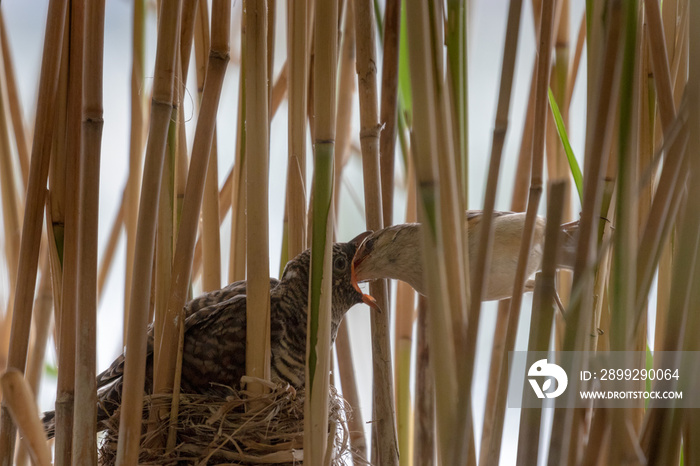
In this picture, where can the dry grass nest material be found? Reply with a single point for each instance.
(222, 429)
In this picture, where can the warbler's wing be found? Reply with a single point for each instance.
(472, 214)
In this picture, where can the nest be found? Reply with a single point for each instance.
(222, 429)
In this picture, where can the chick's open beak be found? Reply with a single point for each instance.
(361, 254)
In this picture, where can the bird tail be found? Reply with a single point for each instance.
(569, 240)
(49, 421)
(108, 402)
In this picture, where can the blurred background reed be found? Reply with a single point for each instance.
(563, 108)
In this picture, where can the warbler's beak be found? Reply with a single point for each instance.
(367, 299)
(362, 253)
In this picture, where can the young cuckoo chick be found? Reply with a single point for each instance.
(215, 332)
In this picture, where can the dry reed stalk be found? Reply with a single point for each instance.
(43, 305)
(189, 21)
(645, 137)
(680, 59)
(111, 247)
(346, 371)
(425, 145)
(11, 196)
(19, 400)
(278, 90)
(15, 107)
(663, 294)
(485, 240)
(56, 272)
(558, 83)
(211, 240)
(455, 38)
(625, 239)
(661, 433)
(659, 59)
(225, 193)
(622, 281)
(598, 136)
(177, 146)
(136, 143)
(573, 71)
(662, 208)
(385, 444)
(455, 253)
(343, 128)
(165, 245)
(451, 205)
(70, 208)
(167, 363)
(598, 440)
(237, 250)
(671, 15)
(600, 318)
(595, 44)
(271, 16)
(346, 97)
(85, 414)
(237, 258)
(522, 171)
(37, 348)
(257, 228)
(494, 414)
(57, 167)
(642, 136)
(161, 109)
(690, 342)
(325, 31)
(298, 59)
(405, 318)
(389, 105)
(540, 105)
(661, 216)
(542, 315)
(542, 83)
(424, 419)
(224, 204)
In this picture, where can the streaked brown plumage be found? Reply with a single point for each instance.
(215, 332)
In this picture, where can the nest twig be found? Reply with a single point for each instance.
(223, 429)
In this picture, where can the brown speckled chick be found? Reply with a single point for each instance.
(215, 332)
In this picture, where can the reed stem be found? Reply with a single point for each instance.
(136, 143)
(319, 312)
(85, 413)
(161, 110)
(385, 448)
(257, 228)
(298, 63)
(33, 213)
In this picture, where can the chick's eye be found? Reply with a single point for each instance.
(339, 263)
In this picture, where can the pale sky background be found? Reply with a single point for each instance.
(25, 20)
